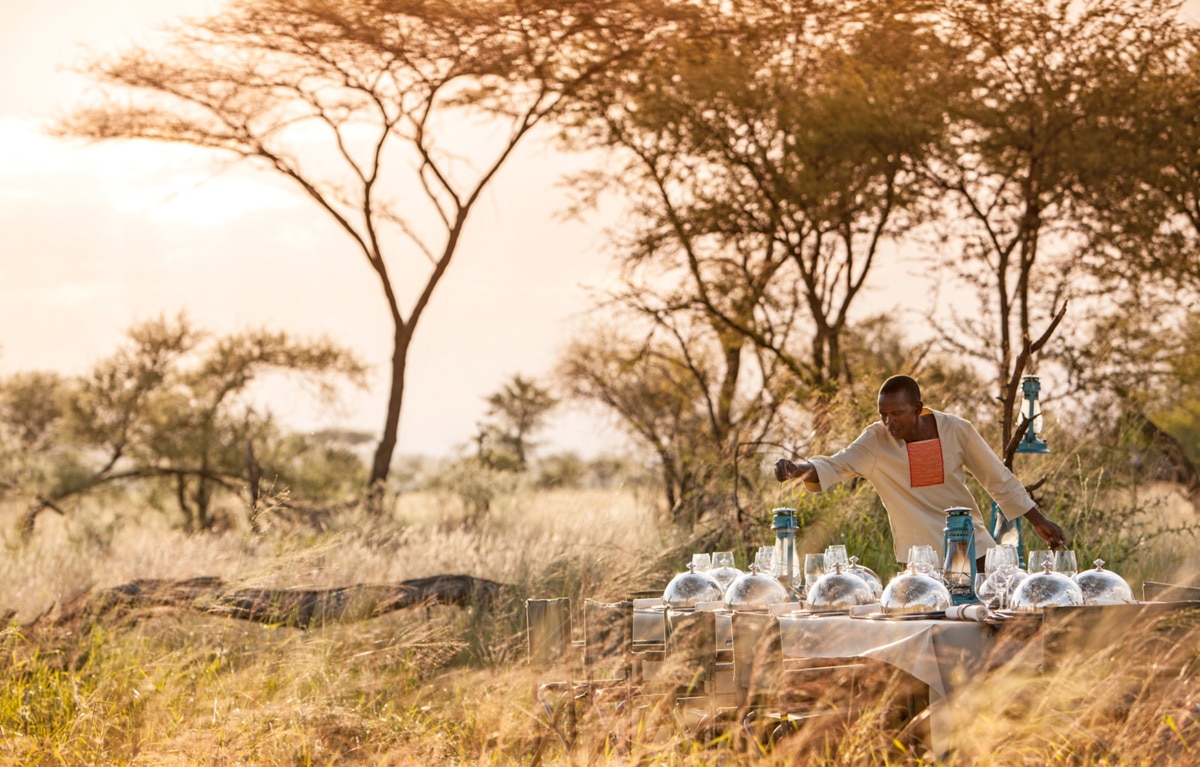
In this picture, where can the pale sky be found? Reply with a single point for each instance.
(96, 237)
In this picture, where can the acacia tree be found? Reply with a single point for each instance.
(686, 398)
(515, 413)
(353, 103)
(1141, 190)
(168, 408)
(767, 151)
(1039, 77)
(768, 148)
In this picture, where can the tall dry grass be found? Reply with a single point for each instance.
(452, 686)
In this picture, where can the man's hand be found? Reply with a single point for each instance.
(1051, 533)
(784, 469)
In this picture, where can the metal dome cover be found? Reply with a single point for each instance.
(1100, 586)
(1046, 589)
(914, 592)
(838, 591)
(688, 589)
(755, 591)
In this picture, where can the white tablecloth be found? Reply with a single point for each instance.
(941, 653)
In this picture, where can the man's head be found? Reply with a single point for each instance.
(900, 407)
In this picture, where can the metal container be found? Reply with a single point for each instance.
(914, 592)
(686, 590)
(838, 591)
(868, 575)
(755, 591)
(725, 575)
(1046, 589)
(1102, 586)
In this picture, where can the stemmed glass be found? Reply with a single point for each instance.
(983, 588)
(1064, 562)
(993, 588)
(836, 555)
(1000, 570)
(764, 558)
(1038, 558)
(722, 559)
(702, 563)
(1003, 558)
(924, 559)
(814, 567)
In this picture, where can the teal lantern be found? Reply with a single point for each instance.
(786, 562)
(1031, 443)
(959, 544)
(1005, 532)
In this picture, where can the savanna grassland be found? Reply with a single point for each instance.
(447, 685)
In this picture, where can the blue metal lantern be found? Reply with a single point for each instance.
(1006, 532)
(959, 545)
(1031, 443)
(785, 564)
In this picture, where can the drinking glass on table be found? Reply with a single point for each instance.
(836, 555)
(764, 558)
(1064, 562)
(983, 590)
(1038, 558)
(722, 559)
(994, 588)
(814, 567)
(924, 559)
(1004, 558)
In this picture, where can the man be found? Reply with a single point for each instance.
(915, 457)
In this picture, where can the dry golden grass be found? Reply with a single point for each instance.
(452, 686)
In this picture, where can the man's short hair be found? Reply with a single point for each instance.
(903, 385)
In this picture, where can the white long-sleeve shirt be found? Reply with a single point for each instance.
(916, 489)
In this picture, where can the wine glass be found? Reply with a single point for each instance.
(992, 589)
(702, 563)
(1004, 558)
(836, 555)
(722, 559)
(764, 558)
(1064, 562)
(924, 558)
(983, 589)
(1038, 558)
(814, 567)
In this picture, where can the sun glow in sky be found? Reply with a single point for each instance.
(95, 237)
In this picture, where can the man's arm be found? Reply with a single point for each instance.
(1051, 533)
(785, 470)
(1004, 487)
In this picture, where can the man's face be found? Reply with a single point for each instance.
(900, 415)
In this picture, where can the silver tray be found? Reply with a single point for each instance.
(936, 615)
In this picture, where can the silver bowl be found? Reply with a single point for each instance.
(686, 590)
(755, 591)
(1102, 586)
(1046, 589)
(838, 591)
(914, 592)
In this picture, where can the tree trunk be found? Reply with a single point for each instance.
(382, 462)
(301, 608)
